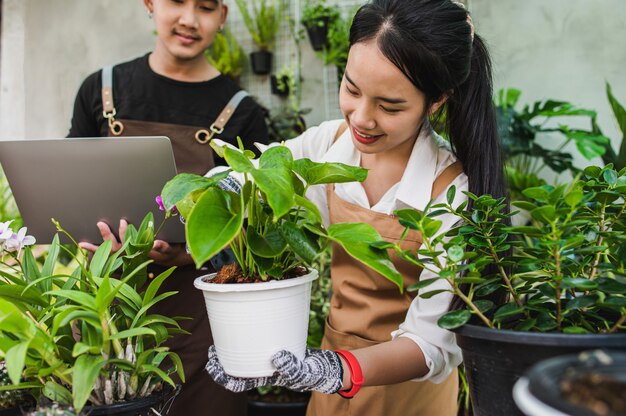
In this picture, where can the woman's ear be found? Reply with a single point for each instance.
(437, 104)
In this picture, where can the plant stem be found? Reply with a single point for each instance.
(619, 323)
(596, 260)
(468, 302)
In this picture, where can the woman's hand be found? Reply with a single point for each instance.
(321, 370)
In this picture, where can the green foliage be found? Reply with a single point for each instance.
(520, 129)
(226, 55)
(264, 21)
(564, 272)
(619, 113)
(336, 53)
(318, 13)
(8, 209)
(284, 229)
(86, 336)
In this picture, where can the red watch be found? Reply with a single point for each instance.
(356, 374)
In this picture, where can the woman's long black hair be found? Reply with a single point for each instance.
(432, 43)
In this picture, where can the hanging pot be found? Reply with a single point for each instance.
(261, 62)
(318, 34)
(251, 322)
(274, 86)
(495, 359)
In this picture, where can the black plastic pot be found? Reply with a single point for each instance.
(274, 86)
(495, 359)
(318, 35)
(261, 62)
(257, 408)
(161, 402)
(540, 391)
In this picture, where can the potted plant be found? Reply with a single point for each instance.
(263, 25)
(588, 383)
(226, 55)
(317, 17)
(526, 293)
(86, 338)
(283, 83)
(282, 238)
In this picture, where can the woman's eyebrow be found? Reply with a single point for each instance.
(381, 98)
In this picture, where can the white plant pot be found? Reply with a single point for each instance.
(251, 322)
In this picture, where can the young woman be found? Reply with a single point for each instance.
(407, 60)
(174, 91)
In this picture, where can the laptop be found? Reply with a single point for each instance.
(81, 181)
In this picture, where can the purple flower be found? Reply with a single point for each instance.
(16, 242)
(159, 202)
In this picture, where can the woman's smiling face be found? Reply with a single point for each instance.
(383, 109)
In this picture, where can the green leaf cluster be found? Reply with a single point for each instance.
(519, 130)
(226, 55)
(263, 19)
(86, 336)
(565, 271)
(283, 228)
(318, 13)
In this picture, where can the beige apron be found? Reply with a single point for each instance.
(200, 395)
(366, 307)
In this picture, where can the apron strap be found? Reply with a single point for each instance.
(445, 178)
(108, 107)
(203, 136)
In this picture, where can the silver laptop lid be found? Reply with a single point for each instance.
(81, 181)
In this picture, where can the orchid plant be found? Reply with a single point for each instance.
(283, 229)
(88, 336)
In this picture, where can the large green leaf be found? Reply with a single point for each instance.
(269, 245)
(357, 240)
(14, 359)
(86, 370)
(454, 319)
(305, 247)
(237, 160)
(276, 157)
(177, 188)
(330, 172)
(213, 223)
(96, 266)
(155, 284)
(620, 117)
(277, 185)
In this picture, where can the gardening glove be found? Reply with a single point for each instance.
(321, 371)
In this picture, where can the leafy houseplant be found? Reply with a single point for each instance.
(520, 129)
(610, 156)
(564, 276)
(226, 55)
(284, 234)
(317, 17)
(263, 24)
(87, 337)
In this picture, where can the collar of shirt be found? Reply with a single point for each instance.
(413, 190)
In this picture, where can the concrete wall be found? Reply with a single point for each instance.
(563, 49)
(559, 49)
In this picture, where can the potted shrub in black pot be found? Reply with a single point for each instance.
(263, 19)
(85, 338)
(527, 293)
(275, 249)
(317, 17)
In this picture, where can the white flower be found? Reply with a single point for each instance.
(18, 241)
(5, 231)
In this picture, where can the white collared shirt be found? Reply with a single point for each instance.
(429, 157)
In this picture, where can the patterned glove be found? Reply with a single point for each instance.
(320, 371)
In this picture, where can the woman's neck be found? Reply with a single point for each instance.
(187, 70)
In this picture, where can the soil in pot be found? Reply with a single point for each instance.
(232, 274)
(603, 395)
